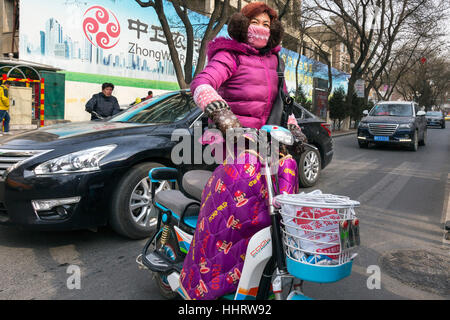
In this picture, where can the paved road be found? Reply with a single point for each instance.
(403, 195)
(403, 198)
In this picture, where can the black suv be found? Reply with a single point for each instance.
(393, 122)
(435, 118)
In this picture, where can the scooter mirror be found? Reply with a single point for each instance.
(282, 135)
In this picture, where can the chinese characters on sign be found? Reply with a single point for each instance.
(137, 25)
(158, 34)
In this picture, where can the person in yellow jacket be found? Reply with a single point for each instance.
(4, 105)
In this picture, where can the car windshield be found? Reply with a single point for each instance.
(165, 109)
(395, 110)
(434, 113)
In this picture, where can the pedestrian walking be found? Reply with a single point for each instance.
(103, 104)
(149, 96)
(4, 105)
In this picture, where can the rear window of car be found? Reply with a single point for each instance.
(434, 113)
(393, 110)
(302, 113)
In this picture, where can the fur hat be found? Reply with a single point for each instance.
(239, 23)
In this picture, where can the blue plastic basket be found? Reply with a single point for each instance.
(320, 235)
(319, 273)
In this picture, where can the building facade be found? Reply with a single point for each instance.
(9, 32)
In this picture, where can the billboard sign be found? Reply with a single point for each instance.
(359, 88)
(307, 70)
(105, 37)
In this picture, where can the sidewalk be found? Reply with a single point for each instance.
(343, 133)
(13, 133)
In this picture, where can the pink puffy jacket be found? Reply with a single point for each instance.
(244, 78)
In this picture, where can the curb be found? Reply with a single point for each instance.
(343, 134)
(446, 213)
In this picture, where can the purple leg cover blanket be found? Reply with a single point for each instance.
(234, 207)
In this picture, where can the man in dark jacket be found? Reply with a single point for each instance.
(103, 104)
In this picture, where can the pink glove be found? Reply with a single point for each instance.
(204, 95)
(292, 120)
(216, 108)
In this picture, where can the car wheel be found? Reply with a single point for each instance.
(132, 212)
(423, 141)
(309, 168)
(415, 143)
(363, 144)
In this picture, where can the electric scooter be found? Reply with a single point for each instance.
(279, 258)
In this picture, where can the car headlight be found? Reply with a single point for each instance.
(405, 126)
(363, 125)
(80, 161)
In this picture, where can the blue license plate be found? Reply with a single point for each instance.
(381, 138)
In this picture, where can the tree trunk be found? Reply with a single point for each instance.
(350, 92)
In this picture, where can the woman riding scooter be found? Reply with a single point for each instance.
(236, 89)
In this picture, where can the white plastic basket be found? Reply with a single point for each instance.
(320, 230)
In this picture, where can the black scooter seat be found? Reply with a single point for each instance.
(174, 200)
(194, 182)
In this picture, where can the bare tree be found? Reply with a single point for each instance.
(423, 36)
(293, 14)
(367, 28)
(427, 81)
(217, 20)
(283, 8)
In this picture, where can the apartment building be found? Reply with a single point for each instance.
(9, 28)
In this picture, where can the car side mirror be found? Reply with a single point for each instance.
(365, 112)
(421, 113)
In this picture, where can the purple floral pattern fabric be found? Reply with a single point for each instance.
(234, 207)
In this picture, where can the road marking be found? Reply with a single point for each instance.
(390, 185)
(446, 210)
(386, 216)
(348, 170)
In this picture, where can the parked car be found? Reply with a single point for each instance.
(90, 174)
(435, 118)
(319, 134)
(393, 122)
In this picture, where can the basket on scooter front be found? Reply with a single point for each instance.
(320, 235)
